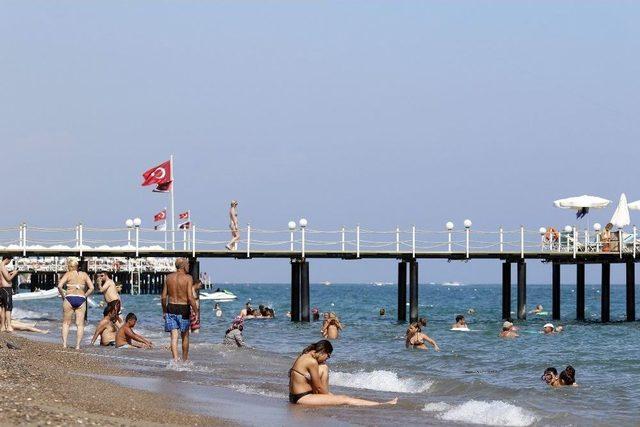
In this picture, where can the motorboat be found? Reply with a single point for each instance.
(219, 295)
(452, 284)
(27, 296)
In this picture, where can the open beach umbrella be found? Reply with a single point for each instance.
(635, 206)
(621, 217)
(582, 204)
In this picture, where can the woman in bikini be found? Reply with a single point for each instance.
(74, 300)
(309, 380)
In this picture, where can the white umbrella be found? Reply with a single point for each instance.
(621, 217)
(582, 203)
(635, 206)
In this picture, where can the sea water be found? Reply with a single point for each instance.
(476, 378)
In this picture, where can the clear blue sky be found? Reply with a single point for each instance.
(345, 112)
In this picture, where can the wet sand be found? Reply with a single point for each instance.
(42, 384)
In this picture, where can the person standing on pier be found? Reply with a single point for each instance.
(74, 300)
(6, 294)
(176, 312)
(233, 225)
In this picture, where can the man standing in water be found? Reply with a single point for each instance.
(233, 225)
(178, 289)
(109, 290)
(6, 294)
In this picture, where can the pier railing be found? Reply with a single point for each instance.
(356, 240)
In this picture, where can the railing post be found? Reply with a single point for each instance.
(80, 238)
(358, 241)
(77, 236)
(342, 245)
(522, 241)
(620, 242)
(635, 235)
(449, 238)
(137, 241)
(248, 240)
(193, 241)
(397, 239)
(597, 242)
(24, 239)
(501, 240)
(413, 241)
(20, 234)
(586, 240)
(303, 242)
(575, 236)
(291, 241)
(467, 236)
(128, 236)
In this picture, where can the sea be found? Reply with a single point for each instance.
(476, 379)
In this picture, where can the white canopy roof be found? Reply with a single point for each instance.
(580, 202)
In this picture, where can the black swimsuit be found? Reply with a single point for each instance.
(293, 398)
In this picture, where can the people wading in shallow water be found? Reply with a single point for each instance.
(6, 294)
(415, 338)
(74, 300)
(331, 327)
(309, 380)
(177, 303)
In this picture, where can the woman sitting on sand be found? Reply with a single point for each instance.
(309, 380)
(74, 300)
(332, 327)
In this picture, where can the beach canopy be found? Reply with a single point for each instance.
(621, 217)
(635, 206)
(582, 204)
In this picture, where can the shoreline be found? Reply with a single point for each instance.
(43, 384)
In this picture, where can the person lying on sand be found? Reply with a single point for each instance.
(309, 380)
(27, 327)
(127, 337)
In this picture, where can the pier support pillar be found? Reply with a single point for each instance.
(506, 290)
(580, 291)
(605, 293)
(555, 292)
(402, 291)
(522, 290)
(305, 312)
(413, 291)
(295, 290)
(631, 291)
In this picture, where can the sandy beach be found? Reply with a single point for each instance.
(42, 384)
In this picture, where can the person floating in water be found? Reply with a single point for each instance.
(233, 226)
(415, 338)
(460, 325)
(383, 312)
(309, 380)
(508, 330)
(538, 310)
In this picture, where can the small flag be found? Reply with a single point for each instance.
(184, 215)
(160, 174)
(185, 225)
(160, 216)
(161, 227)
(163, 188)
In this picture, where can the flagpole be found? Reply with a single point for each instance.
(173, 214)
(165, 225)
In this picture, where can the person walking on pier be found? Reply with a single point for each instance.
(233, 225)
(177, 303)
(79, 287)
(6, 294)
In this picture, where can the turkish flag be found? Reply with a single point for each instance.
(163, 188)
(160, 216)
(185, 225)
(160, 174)
(184, 215)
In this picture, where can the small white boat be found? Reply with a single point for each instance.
(326, 283)
(452, 284)
(219, 295)
(27, 296)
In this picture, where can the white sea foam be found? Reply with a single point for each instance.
(19, 313)
(379, 380)
(245, 389)
(493, 413)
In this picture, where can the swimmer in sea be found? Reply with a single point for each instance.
(550, 376)
(309, 380)
(461, 324)
(74, 300)
(548, 329)
(508, 330)
(107, 328)
(537, 310)
(331, 329)
(217, 310)
(126, 337)
(568, 377)
(415, 338)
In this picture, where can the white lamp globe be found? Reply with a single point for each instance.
(303, 222)
(449, 225)
(597, 226)
(129, 223)
(467, 223)
(542, 230)
(568, 229)
(137, 222)
(292, 225)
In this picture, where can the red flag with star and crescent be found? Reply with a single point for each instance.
(159, 175)
(160, 216)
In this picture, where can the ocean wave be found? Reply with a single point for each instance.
(19, 313)
(493, 413)
(245, 389)
(379, 380)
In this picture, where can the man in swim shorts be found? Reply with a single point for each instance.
(109, 290)
(6, 294)
(177, 303)
(126, 337)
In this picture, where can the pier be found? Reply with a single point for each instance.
(301, 244)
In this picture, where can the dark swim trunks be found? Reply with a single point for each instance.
(6, 298)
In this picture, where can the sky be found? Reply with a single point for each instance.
(378, 113)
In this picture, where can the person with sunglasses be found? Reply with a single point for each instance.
(309, 380)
